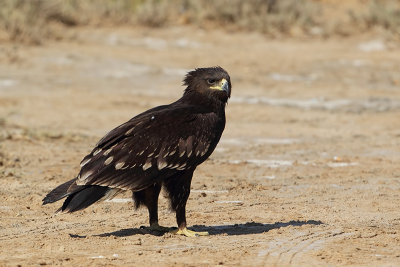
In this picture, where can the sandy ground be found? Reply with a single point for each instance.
(307, 171)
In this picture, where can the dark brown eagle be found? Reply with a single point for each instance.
(160, 147)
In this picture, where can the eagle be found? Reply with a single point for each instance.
(159, 148)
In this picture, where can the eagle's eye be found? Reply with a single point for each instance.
(210, 81)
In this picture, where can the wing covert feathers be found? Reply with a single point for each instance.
(149, 147)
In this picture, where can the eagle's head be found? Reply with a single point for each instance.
(213, 81)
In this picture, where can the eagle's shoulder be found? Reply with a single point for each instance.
(119, 132)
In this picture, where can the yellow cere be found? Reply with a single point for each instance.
(220, 84)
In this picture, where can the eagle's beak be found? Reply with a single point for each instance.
(223, 85)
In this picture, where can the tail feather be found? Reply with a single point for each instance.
(58, 193)
(84, 198)
(78, 197)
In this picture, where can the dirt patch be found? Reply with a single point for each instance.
(306, 172)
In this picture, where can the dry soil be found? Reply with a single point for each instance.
(307, 171)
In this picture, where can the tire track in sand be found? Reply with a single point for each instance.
(286, 251)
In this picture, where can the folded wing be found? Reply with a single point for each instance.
(150, 147)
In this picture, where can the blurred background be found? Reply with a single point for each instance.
(36, 20)
(306, 172)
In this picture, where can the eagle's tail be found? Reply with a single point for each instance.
(79, 198)
(84, 198)
(58, 193)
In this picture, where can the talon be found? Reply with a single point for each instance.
(187, 232)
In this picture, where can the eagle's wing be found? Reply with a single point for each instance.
(118, 133)
(151, 146)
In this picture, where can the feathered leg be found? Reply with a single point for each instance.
(178, 188)
(149, 198)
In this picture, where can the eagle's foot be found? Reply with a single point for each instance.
(155, 228)
(159, 228)
(187, 232)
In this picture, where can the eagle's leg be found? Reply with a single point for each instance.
(149, 198)
(178, 187)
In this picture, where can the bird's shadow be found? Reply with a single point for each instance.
(231, 229)
(250, 227)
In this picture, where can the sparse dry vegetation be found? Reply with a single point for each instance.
(385, 14)
(35, 20)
